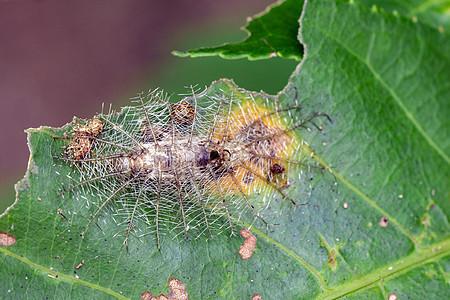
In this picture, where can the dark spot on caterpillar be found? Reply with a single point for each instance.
(277, 169)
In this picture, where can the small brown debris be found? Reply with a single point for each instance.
(425, 220)
(257, 297)
(80, 264)
(393, 297)
(384, 222)
(81, 143)
(6, 239)
(60, 211)
(95, 127)
(177, 292)
(246, 250)
(183, 113)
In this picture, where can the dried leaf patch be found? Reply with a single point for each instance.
(6, 239)
(177, 292)
(246, 250)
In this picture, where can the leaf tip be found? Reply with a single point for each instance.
(180, 53)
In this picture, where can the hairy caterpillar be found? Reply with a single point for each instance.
(190, 166)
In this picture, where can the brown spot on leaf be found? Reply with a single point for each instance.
(384, 222)
(177, 292)
(425, 220)
(246, 250)
(80, 264)
(332, 259)
(6, 239)
(146, 296)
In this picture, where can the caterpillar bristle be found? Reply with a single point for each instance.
(189, 167)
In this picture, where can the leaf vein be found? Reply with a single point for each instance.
(61, 275)
(392, 92)
(289, 252)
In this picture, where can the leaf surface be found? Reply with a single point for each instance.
(434, 13)
(273, 33)
(384, 81)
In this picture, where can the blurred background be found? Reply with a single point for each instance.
(60, 59)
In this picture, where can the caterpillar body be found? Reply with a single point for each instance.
(189, 167)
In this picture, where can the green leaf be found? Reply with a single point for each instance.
(384, 81)
(385, 84)
(272, 33)
(435, 13)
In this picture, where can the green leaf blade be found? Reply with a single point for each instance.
(272, 33)
(433, 13)
(384, 84)
(390, 158)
